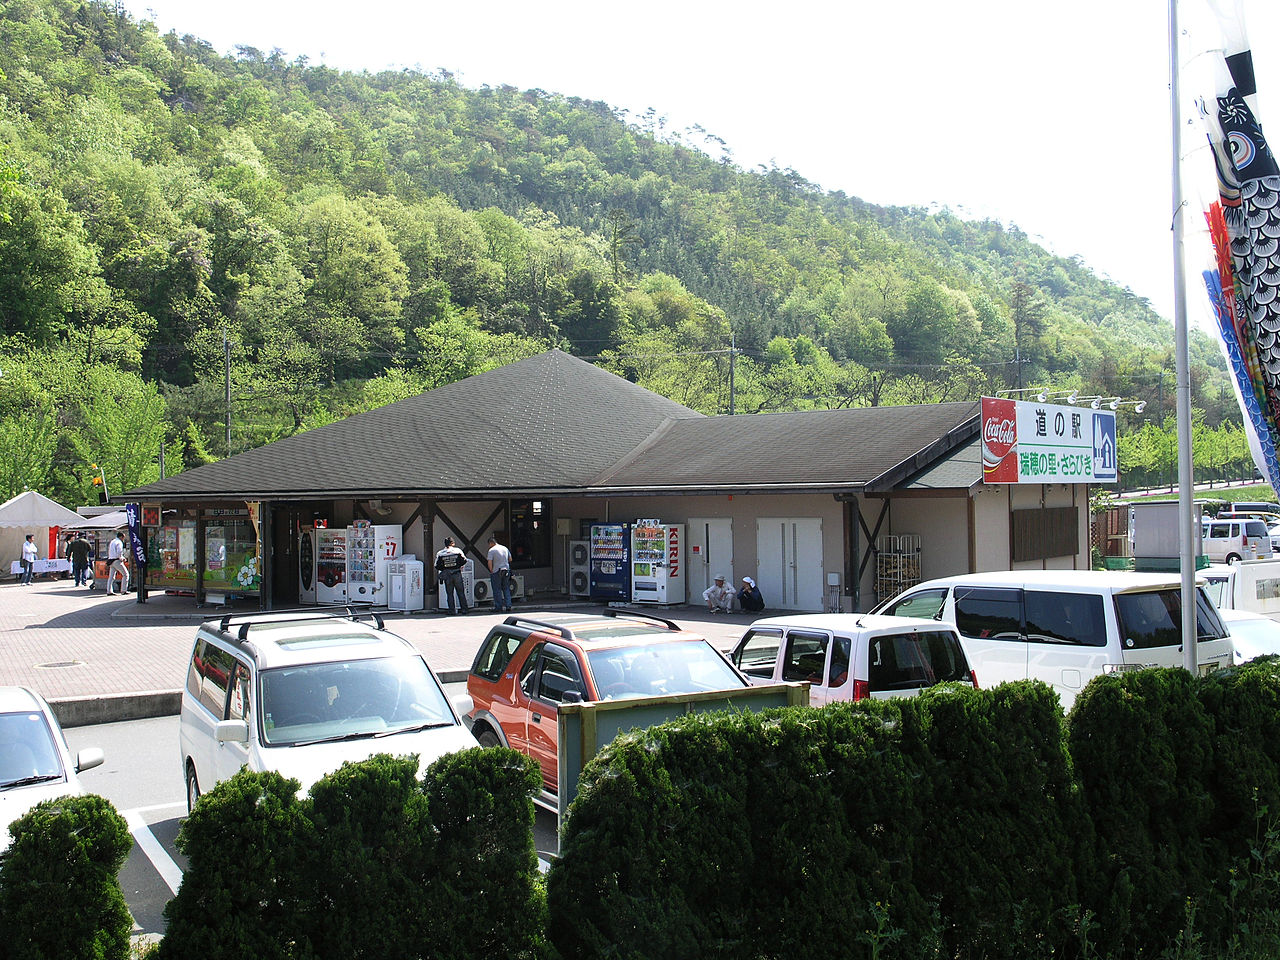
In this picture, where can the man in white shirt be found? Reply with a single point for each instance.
(500, 575)
(718, 596)
(28, 559)
(119, 565)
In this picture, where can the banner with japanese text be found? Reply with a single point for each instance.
(1046, 443)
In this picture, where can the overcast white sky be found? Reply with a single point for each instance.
(1056, 120)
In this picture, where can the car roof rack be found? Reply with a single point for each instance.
(247, 620)
(628, 612)
(516, 620)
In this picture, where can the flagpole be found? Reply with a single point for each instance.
(1186, 478)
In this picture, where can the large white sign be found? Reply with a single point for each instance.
(1046, 443)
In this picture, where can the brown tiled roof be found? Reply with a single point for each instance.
(557, 424)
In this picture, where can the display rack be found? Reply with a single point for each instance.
(897, 564)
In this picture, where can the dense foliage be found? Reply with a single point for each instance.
(59, 889)
(373, 863)
(177, 225)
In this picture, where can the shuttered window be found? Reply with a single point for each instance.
(1042, 534)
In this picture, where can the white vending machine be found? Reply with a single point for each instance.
(307, 565)
(370, 547)
(331, 565)
(405, 584)
(657, 562)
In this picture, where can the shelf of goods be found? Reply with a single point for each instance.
(897, 564)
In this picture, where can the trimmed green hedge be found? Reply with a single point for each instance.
(59, 890)
(372, 864)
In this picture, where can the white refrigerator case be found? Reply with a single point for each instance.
(405, 584)
(657, 562)
(331, 565)
(370, 547)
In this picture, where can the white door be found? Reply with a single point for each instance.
(789, 562)
(710, 552)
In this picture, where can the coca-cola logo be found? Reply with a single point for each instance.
(999, 432)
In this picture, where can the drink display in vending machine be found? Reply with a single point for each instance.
(657, 562)
(610, 566)
(369, 548)
(331, 565)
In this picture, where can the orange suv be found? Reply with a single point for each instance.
(530, 664)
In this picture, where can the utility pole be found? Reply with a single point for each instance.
(733, 353)
(226, 355)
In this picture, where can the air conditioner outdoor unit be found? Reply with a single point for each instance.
(482, 589)
(579, 568)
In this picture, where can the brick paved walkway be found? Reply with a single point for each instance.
(128, 659)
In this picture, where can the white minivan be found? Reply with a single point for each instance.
(303, 693)
(1066, 626)
(1228, 539)
(852, 656)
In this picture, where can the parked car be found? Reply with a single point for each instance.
(850, 656)
(1249, 506)
(1226, 540)
(1252, 634)
(35, 762)
(528, 665)
(303, 693)
(1066, 626)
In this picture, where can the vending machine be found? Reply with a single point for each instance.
(369, 548)
(405, 584)
(307, 565)
(610, 566)
(331, 565)
(658, 570)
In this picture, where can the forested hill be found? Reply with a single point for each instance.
(337, 241)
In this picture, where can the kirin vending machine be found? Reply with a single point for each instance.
(610, 562)
(657, 562)
(370, 547)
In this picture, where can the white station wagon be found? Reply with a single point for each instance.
(303, 693)
(852, 656)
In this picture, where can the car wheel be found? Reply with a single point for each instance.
(1232, 557)
(488, 738)
(193, 787)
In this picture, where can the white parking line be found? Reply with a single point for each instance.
(169, 871)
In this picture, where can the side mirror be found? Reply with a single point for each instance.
(572, 696)
(231, 731)
(88, 758)
(463, 703)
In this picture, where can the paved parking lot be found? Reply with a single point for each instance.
(101, 659)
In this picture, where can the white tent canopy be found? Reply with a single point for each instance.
(115, 520)
(31, 509)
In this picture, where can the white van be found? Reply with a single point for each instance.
(303, 693)
(852, 656)
(1228, 539)
(1066, 626)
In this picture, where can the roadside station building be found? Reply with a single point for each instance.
(826, 509)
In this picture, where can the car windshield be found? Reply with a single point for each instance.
(27, 749)
(349, 700)
(658, 669)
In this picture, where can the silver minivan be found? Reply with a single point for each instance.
(1228, 539)
(301, 693)
(1066, 626)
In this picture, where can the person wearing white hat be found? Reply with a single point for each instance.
(749, 597)
(719, 597)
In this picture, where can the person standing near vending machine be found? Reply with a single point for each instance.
(449, 563)
(500, 575)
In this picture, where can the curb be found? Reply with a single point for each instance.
(84, 711)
